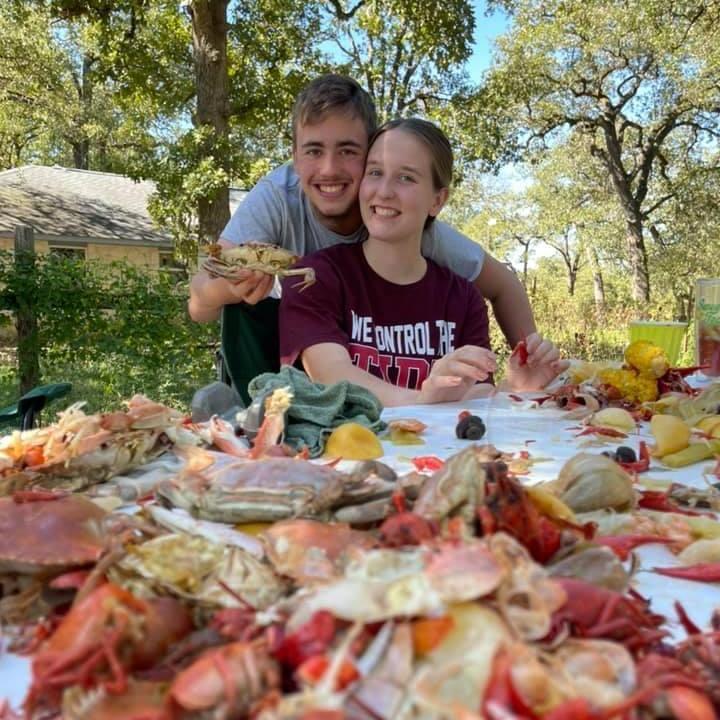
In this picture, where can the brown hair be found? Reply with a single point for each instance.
(333, 92)
(441, 154)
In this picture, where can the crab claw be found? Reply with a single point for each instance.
(308, 274)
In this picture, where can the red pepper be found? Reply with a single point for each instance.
(704, 572)
(642, 463)
(520, 351)
(312, 638)
(501, 699)
(575, 708)
(319, 714)
(621, 545)
(690, 627)
(599, 430)
(657, 500)
(313, 669)
(685, 371)
(427, 462)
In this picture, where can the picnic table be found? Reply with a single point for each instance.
(514, 424)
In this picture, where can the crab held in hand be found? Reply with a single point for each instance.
(271, 259)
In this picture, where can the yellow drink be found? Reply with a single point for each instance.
(665, 334)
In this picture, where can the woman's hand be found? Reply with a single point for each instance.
(454, 374)
(533, 367)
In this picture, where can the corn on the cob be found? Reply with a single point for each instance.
(648, 359)
(632, 387)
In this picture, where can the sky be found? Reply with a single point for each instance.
(486, 30)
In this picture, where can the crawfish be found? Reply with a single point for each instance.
(101, 639)
(226, 681)
(508, 509)
(596, 612)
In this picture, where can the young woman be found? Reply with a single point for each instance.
(384, 316)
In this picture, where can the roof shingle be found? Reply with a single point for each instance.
(67, 203)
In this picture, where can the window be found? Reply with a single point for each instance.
(169, 264)
(71, 253)
(167, 260)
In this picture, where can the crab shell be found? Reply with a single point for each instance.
(255, 491)
(50, 535)
(249, 253)
(195, 568)
(310, 551)
(274, 489)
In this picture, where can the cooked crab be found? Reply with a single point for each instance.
(195, 568)
(273, 489)
(41, 539)
(309, 551)
(267, 258)
(80, 450)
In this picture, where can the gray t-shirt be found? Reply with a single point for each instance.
(277, 211)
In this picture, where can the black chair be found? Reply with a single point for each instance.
(26, 411)
(249, 343)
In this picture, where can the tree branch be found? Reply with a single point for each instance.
(341, 14)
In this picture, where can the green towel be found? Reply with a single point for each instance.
(317, 409)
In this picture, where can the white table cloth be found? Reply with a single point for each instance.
(551, 438)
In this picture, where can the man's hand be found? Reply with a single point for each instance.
(455, 373)
(208, 294)
(533, 367)
(251, 286)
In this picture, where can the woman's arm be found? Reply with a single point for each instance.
(330, 363)
(449, 379)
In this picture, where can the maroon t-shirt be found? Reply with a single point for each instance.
(393, 331)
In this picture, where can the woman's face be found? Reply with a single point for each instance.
(397, 192)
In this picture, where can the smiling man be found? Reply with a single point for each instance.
(312, 203)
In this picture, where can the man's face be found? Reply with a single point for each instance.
(329, 158)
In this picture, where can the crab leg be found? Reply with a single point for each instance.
(307, 272)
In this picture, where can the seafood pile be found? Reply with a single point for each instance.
(638, 384)
(258, 584)
(81, 450)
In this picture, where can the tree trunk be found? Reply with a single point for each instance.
(81, 148)
(638, 261)
(598, 282)
(572, 279)
(209, 37)
(81, 153)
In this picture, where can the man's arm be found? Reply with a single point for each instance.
(508, 298)
(450, 248)
(208, 295)
(258, 218)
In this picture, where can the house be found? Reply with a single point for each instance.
(87, 214)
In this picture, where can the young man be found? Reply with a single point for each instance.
(313, 203)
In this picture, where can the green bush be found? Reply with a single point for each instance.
(112, 330)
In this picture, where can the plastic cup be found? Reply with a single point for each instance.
(665, 334)
(707, 325)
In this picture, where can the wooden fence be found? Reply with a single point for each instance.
(28, 345)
